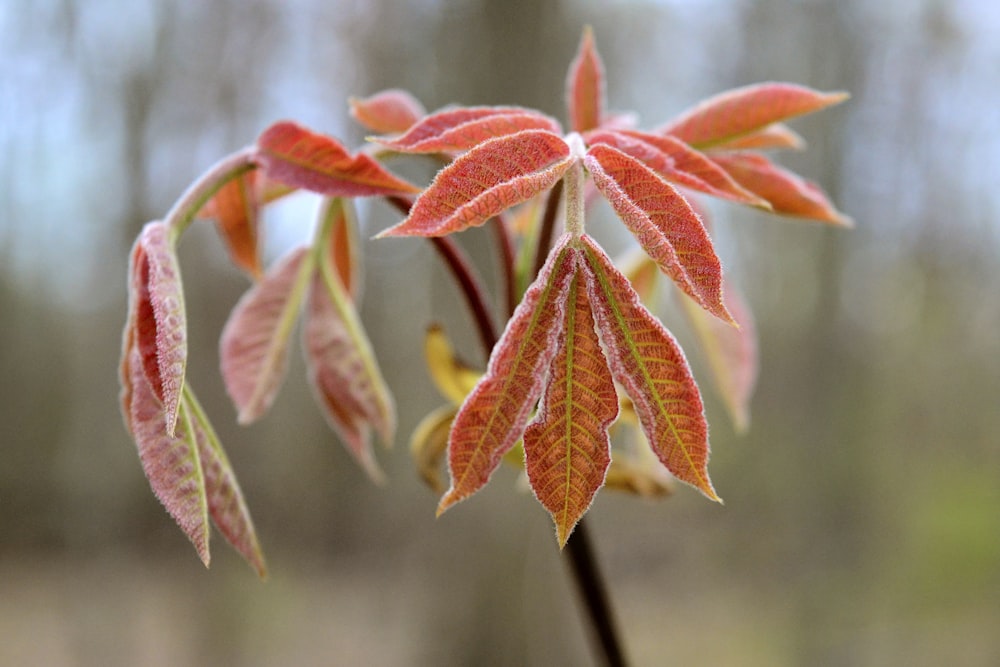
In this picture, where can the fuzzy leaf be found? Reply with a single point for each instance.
(254, 343)
(650, 366)
(459, 129)
(295, 156)
(494, 415)
(160, 326)
(235, 209)
(490, 178)
(566, 446)
(788, 193)
(666, 226)
(171, 462)
(675, 161)
(776, 135)
(745, 110)
(731, 354)
(429, 443)
(585, 86)
(390, 110)
(344, 253)
(225, 499)
(343, 373)
(453, 377)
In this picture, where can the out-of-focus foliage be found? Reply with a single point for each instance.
(862, 505)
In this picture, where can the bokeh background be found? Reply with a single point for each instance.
(862, 516)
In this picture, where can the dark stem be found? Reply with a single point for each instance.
(547, 227)
(590, 584)
(505, 246)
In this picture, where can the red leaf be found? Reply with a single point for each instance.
(343, 252)
(745, 110)
(731, 354)
(675, 161)
(254, 343)
(566, 446)
(235, 209)
(343, 373)
(387, 111)
(157, 308)
(170, 462)
(490, 178)
(788, 193)
(225, 499)
(494, 415)
(459, 129)
(648, 363)
(776, 135)
(297, 157)
(664, 223)
(585, 86)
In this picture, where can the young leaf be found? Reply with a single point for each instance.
(490, 178)
(303, 159)
(254, 343)
(494, 415)
(343, 252)
(648, 363)
(776, 135)
(342, 371)
(171, 462)
(675, 161)
(225, 499)
(160, 327)
(585, 86)
(566, 446)
(429, 443)
(387, 111)
(666, 226)
(731, 354)
(235, 208)
(453, 377)
(788, 193)
(459, 129)
(745, 110)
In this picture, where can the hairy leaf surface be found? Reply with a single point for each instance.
(160, 325)
(225, 500)
(387, 111)
(494, 415)
(461, 128)
(254, 344)
(664, 223)
(490, 178)
(776, 135)
(585, 86)
(566, 446)
(293, 155)
(788, 193)
(745, 110)
(235, 209)
(171, 462)
(649, 364)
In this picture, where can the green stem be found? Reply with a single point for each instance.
(186, 208)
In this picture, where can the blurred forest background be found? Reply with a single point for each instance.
(862, 516)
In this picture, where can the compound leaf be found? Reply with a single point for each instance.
(462, 128)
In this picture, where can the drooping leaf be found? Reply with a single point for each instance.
(650, 366)
(776, 135)
(459, 129)
(745, 110)
(490, 178)
(494, 415)
(291, 154)
(731, 354)
(343, 373)
(666, 226)
(170, 462)
(254, 344)
(225, 500)
(429, 443)
(585, 86)
(387, 111)
(675, 161)
(160, 323)
(235, 209)
(788, 193)
(566, 446)
(343, 247)
(453, 377)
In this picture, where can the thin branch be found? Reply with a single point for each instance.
(547, 228)
(190, 203)
(505, 246)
